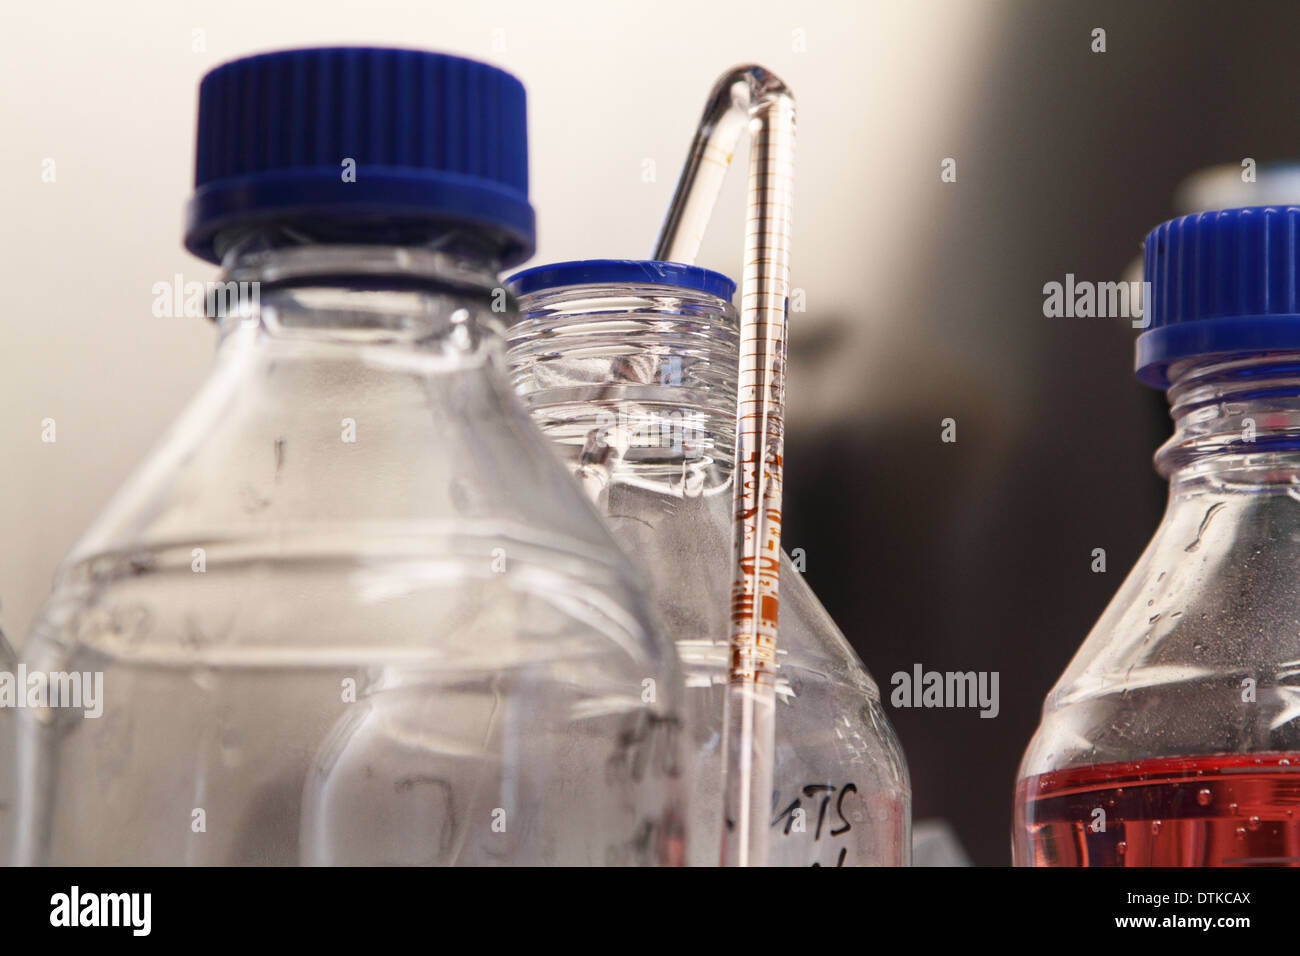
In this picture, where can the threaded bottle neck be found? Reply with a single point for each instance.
(423, 296)
(631, 382)
(1236, 419)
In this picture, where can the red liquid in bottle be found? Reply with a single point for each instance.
(1226, 810)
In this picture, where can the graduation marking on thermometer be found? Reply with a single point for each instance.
(749, 97)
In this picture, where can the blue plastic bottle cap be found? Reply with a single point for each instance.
(361, 135)
(1221, 282)
(621, 272)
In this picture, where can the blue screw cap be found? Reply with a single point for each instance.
(432, 139)
(621, 272)
(1221, 282)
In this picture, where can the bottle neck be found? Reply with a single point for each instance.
(430, 298)
(1236, 422)
(635, 386)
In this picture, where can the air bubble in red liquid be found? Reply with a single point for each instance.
(1223, 810)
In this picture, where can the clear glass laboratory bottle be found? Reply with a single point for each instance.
(1173, 737)
(630, 368)
(354, 517)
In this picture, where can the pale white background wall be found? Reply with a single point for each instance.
(108, 91)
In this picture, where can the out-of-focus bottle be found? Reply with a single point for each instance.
(1173, 737)
(352, 610)
(631, 369)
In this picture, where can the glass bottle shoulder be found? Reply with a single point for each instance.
(310, 494)
(682, 545)
(1196, 653)
(838, 762)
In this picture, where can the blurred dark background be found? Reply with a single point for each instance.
(977, 555)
